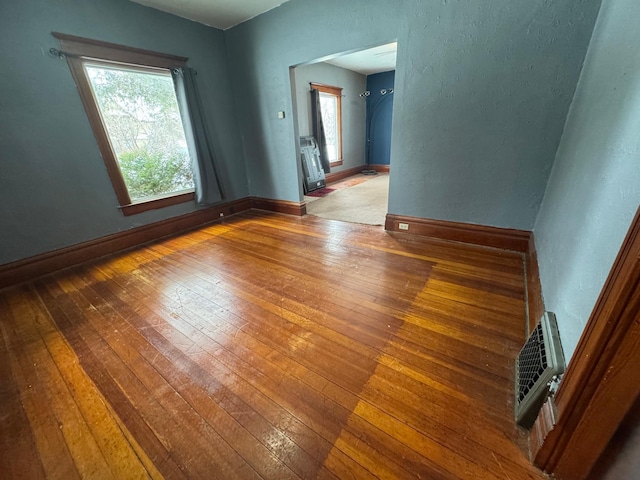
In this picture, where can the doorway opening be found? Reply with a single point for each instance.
(344, 104)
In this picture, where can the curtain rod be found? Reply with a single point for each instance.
(61, 53)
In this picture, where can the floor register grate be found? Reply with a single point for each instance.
(539, 362)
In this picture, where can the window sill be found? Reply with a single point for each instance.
(335, 164)
(161, 202)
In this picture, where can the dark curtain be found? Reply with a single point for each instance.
(318, 130)
(195, 128)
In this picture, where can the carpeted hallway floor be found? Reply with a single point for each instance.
(365, 202)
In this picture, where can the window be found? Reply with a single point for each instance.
(131, 103)
(140, 113)
(331, 110)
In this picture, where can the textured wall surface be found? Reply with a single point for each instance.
(379, 117)
(482, 93)
(353, 107)
(594, 189)
(54, 188)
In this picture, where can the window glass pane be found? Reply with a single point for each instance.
(140, 113)
(329, 111)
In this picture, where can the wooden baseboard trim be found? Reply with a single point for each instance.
(279, 206)
(342, 174)
(380, 168)
(535, 303)
(505, 238)
(543, 426)
(350, 172)
(38, 265)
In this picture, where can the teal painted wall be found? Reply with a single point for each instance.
(594, 188)
(482, 93)
(353, 107)
(54, 188)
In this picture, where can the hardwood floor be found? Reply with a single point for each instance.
(268, 346)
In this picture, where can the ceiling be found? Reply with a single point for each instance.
(370, 61)
(222, 14)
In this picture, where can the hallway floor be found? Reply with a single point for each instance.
(358, 199)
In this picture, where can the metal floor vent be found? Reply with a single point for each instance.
(539, 361)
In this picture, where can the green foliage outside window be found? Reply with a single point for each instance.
(148, 173)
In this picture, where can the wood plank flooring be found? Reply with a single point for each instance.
(271, 347)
